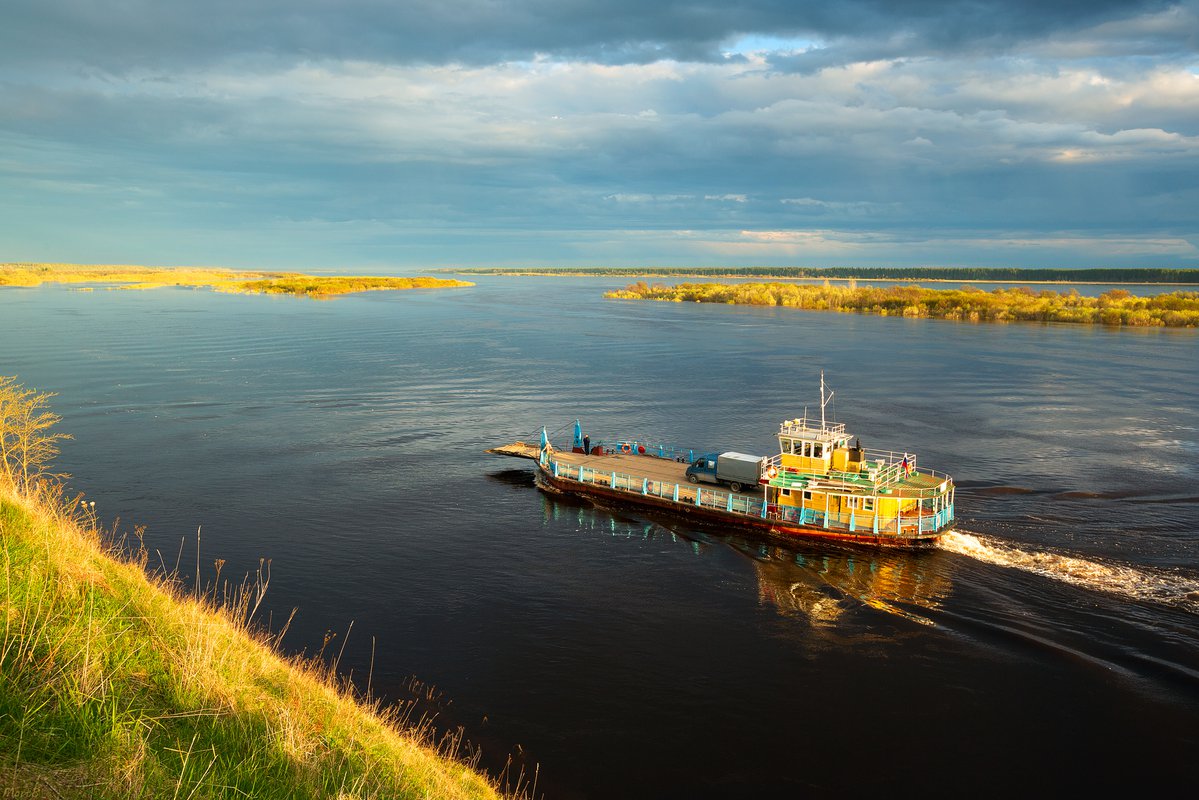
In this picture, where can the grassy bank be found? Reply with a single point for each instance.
(221, 280)
(117, 685)
(1117, 307)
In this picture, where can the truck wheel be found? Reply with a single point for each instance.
(736, 487)
(693, 479)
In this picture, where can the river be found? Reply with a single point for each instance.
(1051, 643)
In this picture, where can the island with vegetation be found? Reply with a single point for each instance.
(1117, 307)
(926, 274)
(221, 280)
(119, 682)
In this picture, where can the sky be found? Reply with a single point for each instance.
(395, 135)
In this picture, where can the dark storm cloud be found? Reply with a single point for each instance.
(156, 34)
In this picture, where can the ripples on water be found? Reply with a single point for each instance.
(634, 655)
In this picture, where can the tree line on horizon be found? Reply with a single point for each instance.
(984, 274)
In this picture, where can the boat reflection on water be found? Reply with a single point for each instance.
(823, 586)
(817, 584)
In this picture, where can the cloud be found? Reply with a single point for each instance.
(562, 127)
(151, 34)
(825, 247)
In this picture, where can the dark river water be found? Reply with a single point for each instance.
(1050, 645)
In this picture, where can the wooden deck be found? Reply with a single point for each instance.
(661, 470)
(517, 450)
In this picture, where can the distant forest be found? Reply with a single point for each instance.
(982, 274)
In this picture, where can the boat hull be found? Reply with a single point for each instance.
(775, 528)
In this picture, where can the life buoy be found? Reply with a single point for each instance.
(649, 487)
(626, 448)
(772, 473)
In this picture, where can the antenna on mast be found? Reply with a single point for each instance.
(823, 400)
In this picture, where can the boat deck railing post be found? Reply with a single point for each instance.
(676, 493)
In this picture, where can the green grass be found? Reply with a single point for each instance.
(1115, 308)
(116, 685)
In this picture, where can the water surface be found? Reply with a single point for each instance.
(1052, 643)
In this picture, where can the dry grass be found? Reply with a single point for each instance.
(222, 280)
(1114, 308)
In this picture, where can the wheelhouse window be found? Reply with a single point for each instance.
(867, 503)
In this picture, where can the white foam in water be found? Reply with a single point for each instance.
(1138, 583)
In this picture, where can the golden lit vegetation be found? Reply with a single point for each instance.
(327, 286)
(1117, 307)
(222, 280)
(116, 684)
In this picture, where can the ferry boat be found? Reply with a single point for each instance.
(817, 486)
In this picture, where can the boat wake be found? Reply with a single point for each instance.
(1136, 583)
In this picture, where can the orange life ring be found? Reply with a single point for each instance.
(772, 473)
(626, 448)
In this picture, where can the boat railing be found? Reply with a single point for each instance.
(803, 425)
(882, 471)
(686, 493)
(886, 467)
(645, 448)
(909, 525)
(893, 465)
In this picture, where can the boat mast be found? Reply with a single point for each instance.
(823, 400)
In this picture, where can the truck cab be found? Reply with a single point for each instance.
(735, 470)
(703, 469)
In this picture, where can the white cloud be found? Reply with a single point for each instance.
(622, 197)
